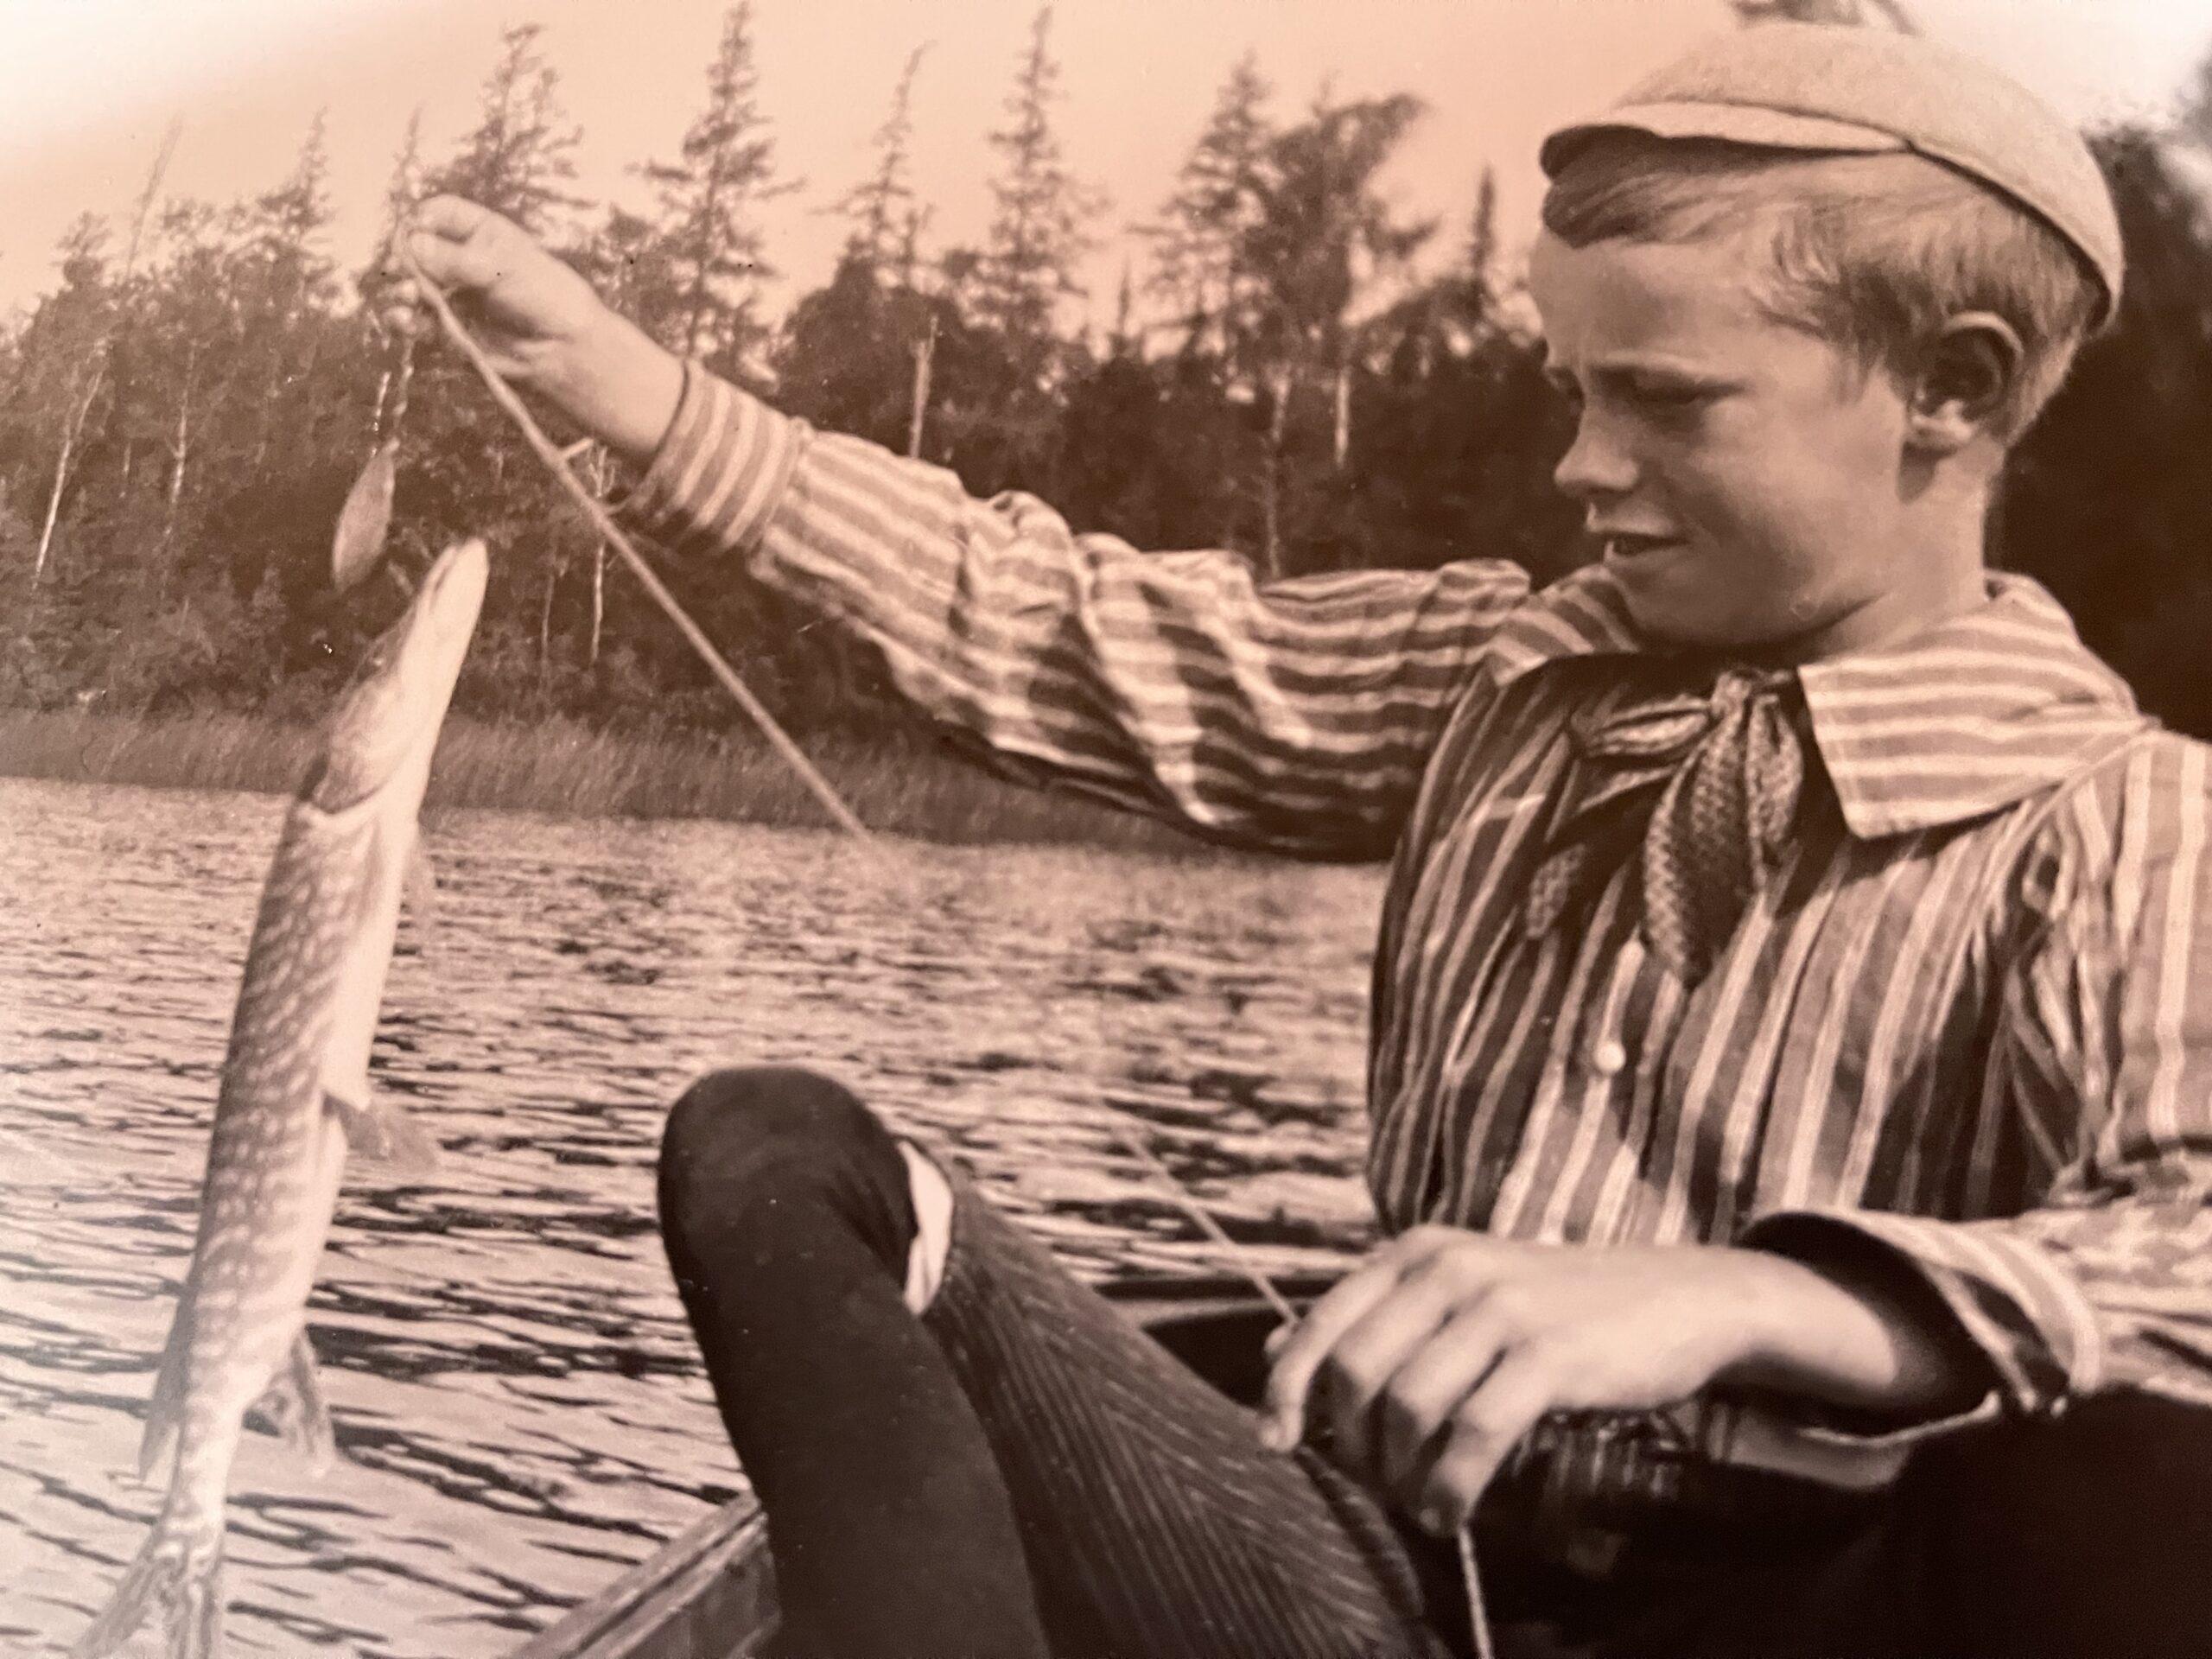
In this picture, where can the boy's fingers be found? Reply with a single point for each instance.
(1429, 1387)
(1283, 1410)
(1483, 1430)
(458, 244)
(1362, 1366)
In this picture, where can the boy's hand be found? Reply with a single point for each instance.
(1429, 1363)
(538, 321)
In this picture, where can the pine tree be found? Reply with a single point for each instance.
(287, 225)
(886, 215)
(1039, 232)
(290, 280)
(707, 231)
(1322, 235)
(401, 192)
(520, 155)
(1481, 286)
(1198, 259)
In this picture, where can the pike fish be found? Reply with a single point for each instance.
(294, 1099)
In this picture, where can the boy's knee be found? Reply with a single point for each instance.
(734, 1126)
(750, 1153)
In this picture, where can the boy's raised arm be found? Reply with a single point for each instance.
(1294, 715)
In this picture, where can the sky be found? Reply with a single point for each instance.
(87, 88)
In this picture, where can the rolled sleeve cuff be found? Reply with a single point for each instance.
(720, 472)
(2022, 1310)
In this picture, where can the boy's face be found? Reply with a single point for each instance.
(1751, 483)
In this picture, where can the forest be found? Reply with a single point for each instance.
(186, 407)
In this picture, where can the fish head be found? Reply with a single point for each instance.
(391, 712)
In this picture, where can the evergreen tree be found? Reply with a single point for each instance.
(1039, 232)
(293, 271)
(290, 282)
(708, 235)
(463, 469)
(520, 156)
(885, 214)
(2107, 500)
(1323, 236)
(1199, 244)
(1479, 290)
(401, 192)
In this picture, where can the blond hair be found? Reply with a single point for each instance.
(1872, 252)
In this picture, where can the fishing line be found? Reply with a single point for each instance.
(1132, 1137)
(603, 521)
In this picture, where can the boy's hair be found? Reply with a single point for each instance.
(1872, 252)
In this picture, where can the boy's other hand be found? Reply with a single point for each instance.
(540, 324)
(1428, 1363)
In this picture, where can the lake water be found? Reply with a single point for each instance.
(509, 1373)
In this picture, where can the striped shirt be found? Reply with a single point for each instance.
(1966, 1019)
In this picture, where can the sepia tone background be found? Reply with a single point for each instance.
(1239, 273)
(1247, 278)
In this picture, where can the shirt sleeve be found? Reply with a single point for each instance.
(1294, 715)
(2103, 1067)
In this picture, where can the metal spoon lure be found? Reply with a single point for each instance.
(358, 545)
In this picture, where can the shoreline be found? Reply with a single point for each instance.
(566, 769)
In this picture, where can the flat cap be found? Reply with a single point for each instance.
(1817, 88)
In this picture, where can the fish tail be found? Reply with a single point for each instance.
(180, 1571)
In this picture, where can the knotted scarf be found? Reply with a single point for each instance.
(1709, 781)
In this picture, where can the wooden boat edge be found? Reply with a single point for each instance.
(715, 1576)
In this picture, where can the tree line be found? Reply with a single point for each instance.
(1293, 372)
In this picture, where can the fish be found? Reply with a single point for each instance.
(292, 1101)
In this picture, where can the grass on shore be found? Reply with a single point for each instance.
(566, 769)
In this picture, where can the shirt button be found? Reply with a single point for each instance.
(1609, 1059)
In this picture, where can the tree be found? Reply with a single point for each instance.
(2108, 501)
(466, 466)
(885, 214)
(707, 234)
(1322, 237)
(288, 280)
(401, 192)
(62, 361)
(1480, 290)
(520, 156)
(1198, 244)
(1038, 233)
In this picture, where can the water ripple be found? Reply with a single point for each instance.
(517, 1400)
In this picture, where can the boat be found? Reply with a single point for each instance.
(710, 1593)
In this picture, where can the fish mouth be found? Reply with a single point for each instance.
(393, 710)
(453, 593)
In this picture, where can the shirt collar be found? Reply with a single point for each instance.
(1979, 712)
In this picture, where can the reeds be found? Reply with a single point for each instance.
(569, 770)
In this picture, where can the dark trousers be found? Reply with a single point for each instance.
(1022, 1471)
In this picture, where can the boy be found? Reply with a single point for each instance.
(1788, 1064)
